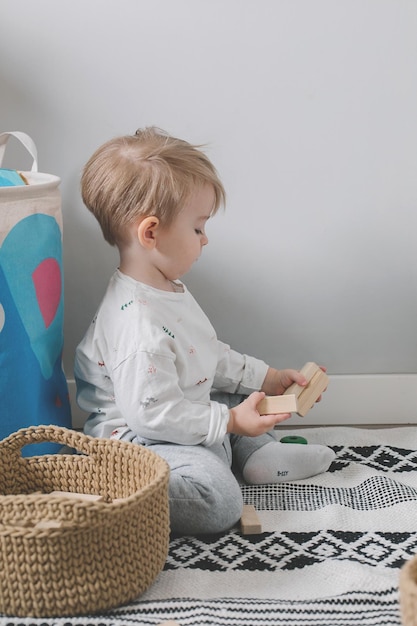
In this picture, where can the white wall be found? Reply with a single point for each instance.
(309, 109)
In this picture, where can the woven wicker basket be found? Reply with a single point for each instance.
(68, 556)
(408, 592)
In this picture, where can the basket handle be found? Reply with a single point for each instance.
(25, 140)
(52, 434)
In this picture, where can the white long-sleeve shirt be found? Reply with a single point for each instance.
(148, 363)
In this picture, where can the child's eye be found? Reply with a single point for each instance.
(198, 231)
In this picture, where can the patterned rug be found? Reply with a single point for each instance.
(329, 554)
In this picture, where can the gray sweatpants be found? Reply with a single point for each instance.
(204, 495)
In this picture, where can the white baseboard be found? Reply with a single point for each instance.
(362, 399)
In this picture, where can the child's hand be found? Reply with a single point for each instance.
(277, 381)
(245, 419)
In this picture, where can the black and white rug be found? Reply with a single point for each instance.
(329, 554)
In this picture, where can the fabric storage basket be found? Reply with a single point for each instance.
(62, 555)
(408, 592)
(33, 387)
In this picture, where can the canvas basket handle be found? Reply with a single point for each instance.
(25, 140)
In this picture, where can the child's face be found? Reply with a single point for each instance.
(180, 244)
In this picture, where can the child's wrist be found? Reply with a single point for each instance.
(231, 422)
(271, 381)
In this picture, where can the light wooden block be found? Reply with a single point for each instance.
(307, 396)
(48, 524)
(249, 522)
(78, 496)
(278, 404)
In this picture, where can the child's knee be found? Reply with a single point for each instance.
(226, 509)
(209, 507)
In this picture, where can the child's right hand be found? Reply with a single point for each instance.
(245, 419)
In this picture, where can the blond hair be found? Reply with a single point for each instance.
(149, 173)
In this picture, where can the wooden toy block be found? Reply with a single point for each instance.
(307, 396)
(249, 522)
(48, 524)
(278, 404)
(78, 496)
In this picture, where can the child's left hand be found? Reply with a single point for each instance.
(277, 381)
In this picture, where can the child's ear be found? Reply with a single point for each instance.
(146, 231)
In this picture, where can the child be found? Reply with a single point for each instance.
(150, 368)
